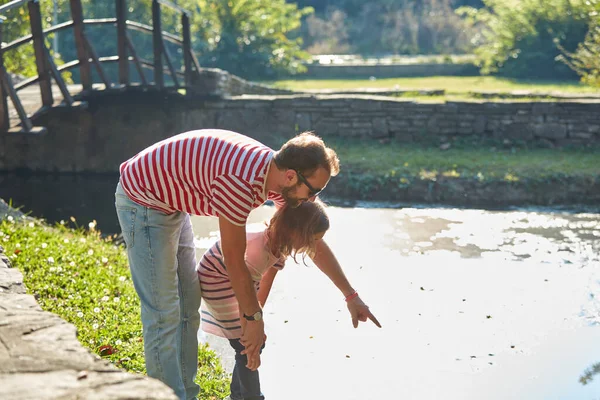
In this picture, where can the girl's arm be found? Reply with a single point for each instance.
(265, 285)
(325, 260)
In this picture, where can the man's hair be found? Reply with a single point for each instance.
(306, 153)
(292, 229)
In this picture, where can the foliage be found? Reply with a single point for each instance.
(386, 26)
(21, 60)
(586, 59)
(85, 279)
(328, 35)
(352, 7)
(250, 38)
(517, 37)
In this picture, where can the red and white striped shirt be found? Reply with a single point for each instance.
(204, 172)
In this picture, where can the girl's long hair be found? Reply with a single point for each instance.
(292, 230)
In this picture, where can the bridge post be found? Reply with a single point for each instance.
(187, 51)
(158, 45)
(85, 69)
(4, 121)
(37, 32)
(121, 12)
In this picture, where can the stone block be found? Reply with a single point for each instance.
(550, 131)
(380, 127)
(517, 131)
(327, 127)
(365, 105)
(479, 124)
(594, 129)
(398, 124)
(303, 121)
(581, 135)
(362, 124)
(543, 108)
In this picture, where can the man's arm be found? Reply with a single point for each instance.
(233, 246)
(325, 260)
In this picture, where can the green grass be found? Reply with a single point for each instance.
(85, 279)
(452, 84)
(481, 162)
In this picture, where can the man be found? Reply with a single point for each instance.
(226, 175)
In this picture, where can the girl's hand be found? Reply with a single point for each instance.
(253, 361)
(359, 311)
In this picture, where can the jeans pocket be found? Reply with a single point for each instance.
(127, 217)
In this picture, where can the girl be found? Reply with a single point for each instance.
(290, 231)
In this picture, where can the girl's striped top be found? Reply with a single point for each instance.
(219, 309)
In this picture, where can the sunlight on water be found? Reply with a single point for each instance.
(475, 305)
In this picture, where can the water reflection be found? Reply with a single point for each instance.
(57, 197)
(467, 299)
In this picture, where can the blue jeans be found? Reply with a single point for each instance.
(162, 259)
(245, 383)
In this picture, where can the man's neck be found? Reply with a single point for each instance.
(274, 177)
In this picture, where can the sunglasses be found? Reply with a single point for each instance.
(312, 191)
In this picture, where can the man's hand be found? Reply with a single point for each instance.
(253, 338)
(359, 311)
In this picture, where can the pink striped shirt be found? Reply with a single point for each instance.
(219, 309)
(204, 172)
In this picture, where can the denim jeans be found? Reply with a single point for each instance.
(162, 259)
(245, 384)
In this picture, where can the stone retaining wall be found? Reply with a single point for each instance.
(115, 126)
(340, 71)
(40, 357)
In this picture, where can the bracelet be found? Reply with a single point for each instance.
(352, 296)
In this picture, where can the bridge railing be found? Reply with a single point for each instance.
(87, 56)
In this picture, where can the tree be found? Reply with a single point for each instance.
(518, 36)
(586, 59)
(21, 60)
(249, 38)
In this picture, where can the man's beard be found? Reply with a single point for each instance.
(290, 201)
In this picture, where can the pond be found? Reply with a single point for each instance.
(475, 304)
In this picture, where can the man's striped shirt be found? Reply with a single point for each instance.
(204, 172)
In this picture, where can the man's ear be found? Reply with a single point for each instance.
(290, 177)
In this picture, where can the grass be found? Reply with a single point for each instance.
(464, 160)
(451, 84)
(85, 279)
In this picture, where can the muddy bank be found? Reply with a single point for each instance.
(467, 192)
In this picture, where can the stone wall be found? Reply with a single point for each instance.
(115, 126)
(40, 357)
(215, 82)
(341, 71)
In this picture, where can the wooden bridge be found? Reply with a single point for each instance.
(17, 115)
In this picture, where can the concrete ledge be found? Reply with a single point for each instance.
(41, 358)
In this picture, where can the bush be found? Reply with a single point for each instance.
(518, 37)
(586, 59)
(251, 39)
(384, 27)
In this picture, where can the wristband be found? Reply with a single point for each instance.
(352, 296)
